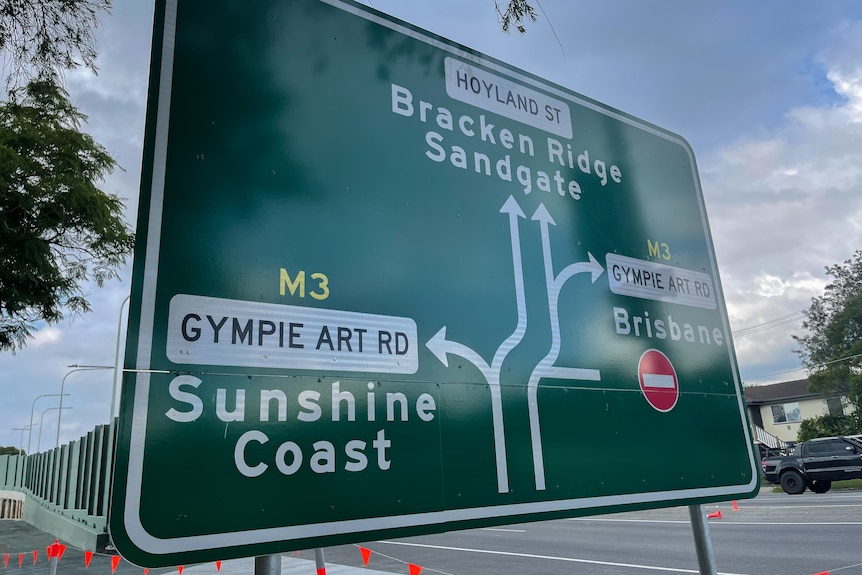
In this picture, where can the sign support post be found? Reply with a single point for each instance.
(267, 565)
(319, 561)
(55, 553)
(702, 542)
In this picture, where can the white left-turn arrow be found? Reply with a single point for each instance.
(441, 348)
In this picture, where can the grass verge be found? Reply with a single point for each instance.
(849, 484)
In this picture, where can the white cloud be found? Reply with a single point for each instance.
(786, 203)
(774, 115)
(46, 336)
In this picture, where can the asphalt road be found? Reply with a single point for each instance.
(774, 534)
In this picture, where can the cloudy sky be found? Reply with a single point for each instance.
(769, 95)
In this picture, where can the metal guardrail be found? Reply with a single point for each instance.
(66, 489)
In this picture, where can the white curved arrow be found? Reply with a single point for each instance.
(545, 367)
(592, 266)
(441, 347)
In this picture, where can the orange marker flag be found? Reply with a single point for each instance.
(218, 566)
(56, 549)
(115, 562)
(366, 554)
(180, 569)
(35, 556)
(146, 571)
(414, 569)
(6, 561)
(88, 556)
(735, 505)
(20, 560)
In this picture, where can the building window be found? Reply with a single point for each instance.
(835, 406)
(786, 413)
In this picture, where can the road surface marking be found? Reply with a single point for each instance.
(688, 522)
(551, 558)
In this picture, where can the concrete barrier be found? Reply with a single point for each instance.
(11, 505)
(64, 491)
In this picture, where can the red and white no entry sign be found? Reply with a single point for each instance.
(658, 380)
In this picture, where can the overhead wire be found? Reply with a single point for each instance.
(803, 368)
(770, 324)
(767, 325)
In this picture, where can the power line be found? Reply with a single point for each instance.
(837, 360)
(849, 357)
(758, 329)
(768, 375)
(773, 323)
(790, 318)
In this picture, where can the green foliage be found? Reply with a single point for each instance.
(58, 230)
(826, 426)
(516, 12)
(832, 351)
(8, 450)
(43, 37)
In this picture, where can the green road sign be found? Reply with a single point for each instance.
(387, 286)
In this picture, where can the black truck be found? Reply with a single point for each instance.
(815, 464)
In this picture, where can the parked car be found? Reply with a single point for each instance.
(815, 464)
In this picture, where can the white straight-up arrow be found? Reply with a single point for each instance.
(441, 347)
(546, 367)
(512, 208)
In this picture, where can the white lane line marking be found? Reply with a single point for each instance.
(845, 567)
(506, 530)
(801, 506)
(551, 558)
(718, 522)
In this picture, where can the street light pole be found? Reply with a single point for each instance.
(32, 407)
(118, 372)
(75, 367)
(42, 426)
(22, 430)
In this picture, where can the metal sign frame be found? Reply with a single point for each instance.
(158, 358)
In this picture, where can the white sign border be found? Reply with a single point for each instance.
(148, 543)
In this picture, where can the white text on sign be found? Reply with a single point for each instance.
(560, 154)
(215, 331)
(496, 94)
(659, 282)
(306, 407)
(643, 325)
